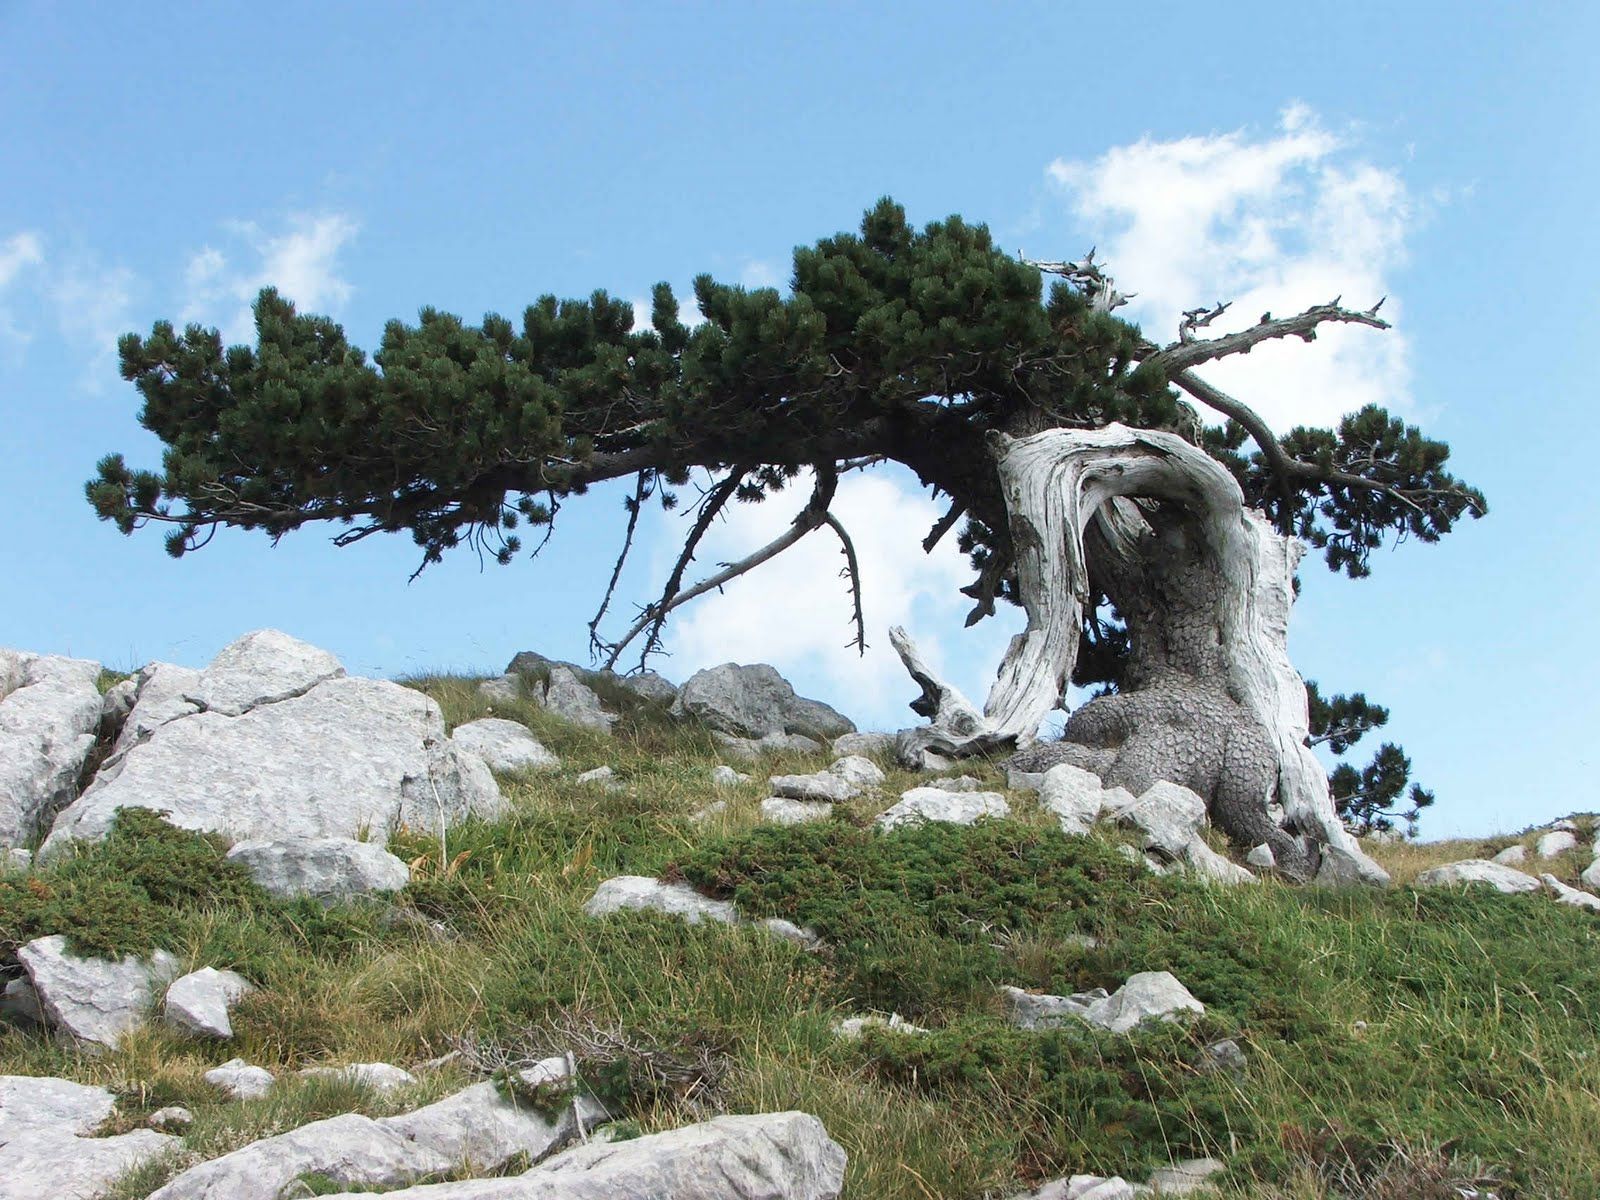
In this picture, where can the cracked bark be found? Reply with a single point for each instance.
(1210, 699)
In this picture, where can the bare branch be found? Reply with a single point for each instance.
(942, 526)
(1186, 353)
(852, 571)
(1089, 278)
(1199, 318)
(641, 490)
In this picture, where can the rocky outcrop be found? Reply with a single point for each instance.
(293, 748)
(756, 702)
(325, 869)
(93, 999)
(1478, 870)
(50, 711)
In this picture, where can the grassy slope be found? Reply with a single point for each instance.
(1460, 1028)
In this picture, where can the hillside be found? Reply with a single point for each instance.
(1386, 1044)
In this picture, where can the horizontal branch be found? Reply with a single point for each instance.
(1186, 353)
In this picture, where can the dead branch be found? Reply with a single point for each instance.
(852, 571)
(1186, 352)
(641, 490)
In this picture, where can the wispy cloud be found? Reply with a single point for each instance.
(301, 261)
(1273, 222)
(94, 307)
(18, 252)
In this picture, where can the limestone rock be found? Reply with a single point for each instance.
(504, 745)
(63, 1167)
(1182, 1178)
(1168, 816)
(1225, 1055)
(1511, 856)
(1073, 795)
(262, 667)
(756, 702)
(715, 809)
(1341, 869)
(347, 756)
(49, 717)
(1039, 1010)
(957, 783)
(502, 689)
(933, 804)
(1261, 857)
(1217, 868)
(806, 939)
(651, 686)
(726, 776)
(29, 1103)
(1590, 877)
(161, 695)
(379, 1077)
(845, 779)
(240, 1080)
(1570, 895)
(780, 810)
(640, 893)
(20, 1003)
(326, 869)
(198, 1003)
(852, 1028)
(93, 999)
(1083, 1187)
(1557, 841)
(569, 698)
(173, 1117)
(1478, 870)
(748, 750)
(864, 743)
(600, 775)
(1024, 781)
(1149, 995)
(1565, 824)
(352, 1150)
(15, 860)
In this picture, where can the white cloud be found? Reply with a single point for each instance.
(94, 307)
(795, 611)
(1272, 222)
(17, 253)
(301, 262)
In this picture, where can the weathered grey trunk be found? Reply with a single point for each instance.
(1209, 699)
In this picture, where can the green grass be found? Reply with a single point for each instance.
(1460, 1028)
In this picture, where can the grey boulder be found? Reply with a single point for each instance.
(756, 702)
(341, 758)
(748, 750)
(569, 698)
(262, 667)
(1570, 895)
(1039, 1010)
(864, 743)
(1557, 841)
(1213, 867)
(198, 1003)
(502, 689)
(30, 1103)
(1168, 816)
(640, 893)
(847, 778)
(504, 745)
(240, 1080)
(50, 711)
(93, 999)
(1511, 856)
(1074, 796)
(928, 804)
(780, 810)
(1147, 996)
(1478, 871)
(328, 869)
(63, 1167)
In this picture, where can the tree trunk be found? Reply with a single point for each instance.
(1209, 699)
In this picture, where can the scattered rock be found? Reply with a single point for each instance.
(1215, 867)
(502, 689)
(341, 757)
(957, 783)
(1225, 1055)
(1570, 895)
(1261, 857)
(504, 745)
(1083, 1187)
(715, 809)
(1511, 856)
(864, 743)
(1073, 795)
(1039, 1010)
(379, 1077)
(640, 893)
(1019, 780)
(49, 718)
(651, 686)
(15, 859)
(569, 698)
(198, 1003)
(806, 939)
(1341, 869)
(173, 1118)
(1558, 841)
(20, 1003)
(853, 1027)
(748, 750)
(844, 780)
(756, 702)
(725, 776)
(780, 810)
(1182, 1178)
(603, 775)
(933, 804)
(1149, 995)
(1167, 814)
(240, 1080)
(1565, 824)
(30, 1103)
(63, 1167)
(326, 869)
(93, 999)
(1591, 875)
(1478, 870)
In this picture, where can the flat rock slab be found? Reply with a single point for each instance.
(779, 810)
(771, 1156)
(346, 758)
(93, 999)
(30, 1103)
(379, 1077)
(58, 1166)
(640, 893)
(325, 869)
(929, 804)
(1478, 870)
(49, 717)
(198, 1003)
(756, 702)
(504, 745)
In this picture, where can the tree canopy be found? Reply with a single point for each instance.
(893, 343)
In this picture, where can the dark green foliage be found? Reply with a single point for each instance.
(1369, 798)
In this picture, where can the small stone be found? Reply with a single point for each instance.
(1477, 870)
(1039, 1010)
(326, 869)
(957, 783)
(173, 1118)
(20, 1003)
(1341, 869)
(379, 1077)
(806, 939)
(570, 698)
(1024, 781)
(598, 775)
(504, 745)
(1511, 856)
(1182, 1178)
(725, 776)
(1570, 895)
(199, 1002)
(1261, 857)
(1565, 824)
(929, 804)
(864, 743)
(1556, 842)
(503, 689)
(640, 893)
(780, 810)
(1225, 1055)
(851, 1028)
(240, 1080)
(1073, 795)
(1149, 995)
(715, 809)
(1214, 867)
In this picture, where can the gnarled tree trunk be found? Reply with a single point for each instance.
(1209, 699)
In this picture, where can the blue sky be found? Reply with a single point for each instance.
(165, 162)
